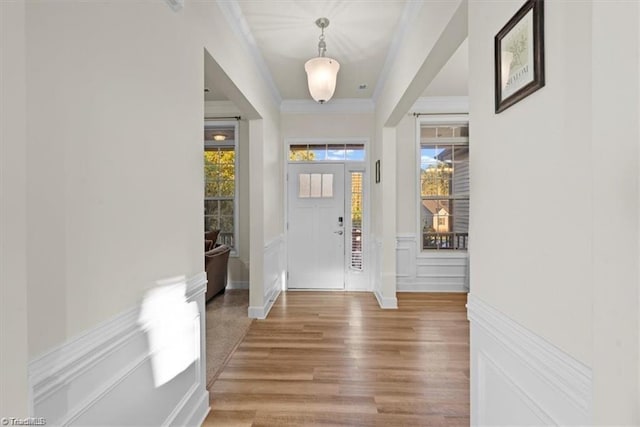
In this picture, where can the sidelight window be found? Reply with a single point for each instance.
(356, 221)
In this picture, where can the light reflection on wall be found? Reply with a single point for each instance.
(173, 329)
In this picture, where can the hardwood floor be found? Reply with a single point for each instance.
(334, 358)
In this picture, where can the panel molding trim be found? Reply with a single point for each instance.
(511, 363)
(274, 271)
(444, 271)
(68, 382)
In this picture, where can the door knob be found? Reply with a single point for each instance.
(338, 232)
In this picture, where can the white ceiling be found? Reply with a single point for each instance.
(359, 38)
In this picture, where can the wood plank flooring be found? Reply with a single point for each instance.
(334, 358)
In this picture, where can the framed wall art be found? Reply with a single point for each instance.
(519, 55)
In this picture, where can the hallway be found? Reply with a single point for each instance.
(337, 358)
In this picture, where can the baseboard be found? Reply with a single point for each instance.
(194, 410)
(519, 378)
(386, 303)
(238, 285)
(104, 376)
(263, 311)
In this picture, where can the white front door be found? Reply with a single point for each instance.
(316, 229)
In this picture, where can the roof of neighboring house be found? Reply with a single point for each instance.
(434, 206)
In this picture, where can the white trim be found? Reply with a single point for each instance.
(238, 284)
(445, 118)
(376, 264)
(261, 313)
(349, 166)
(199, 412)
(409, 13)
(420, 286)
(235, 251)
(440, 271)
(274, 280)
(196, 285)
(271, 244)
(554, 385)
(331, 140)
(441, 104)
(234, 16)
(386, 303)
(89, 368)
(485, 361)
(335, 106)
(358, 280)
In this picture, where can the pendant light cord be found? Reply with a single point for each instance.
(322, 46)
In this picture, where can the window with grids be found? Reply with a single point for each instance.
(326, 152)
(444, 186)
(356, 221)
(220, 182)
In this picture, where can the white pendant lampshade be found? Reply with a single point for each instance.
(322, 72)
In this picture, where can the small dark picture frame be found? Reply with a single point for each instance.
(377, 171)
(519, 55)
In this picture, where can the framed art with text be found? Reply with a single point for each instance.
(519, 55)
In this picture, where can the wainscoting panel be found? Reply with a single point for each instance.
(518, 378)
(104, 377)
(274, 271)
(429, 272)
(376, 262)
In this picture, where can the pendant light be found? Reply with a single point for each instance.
(322, 71)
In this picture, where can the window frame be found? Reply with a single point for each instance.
(227, 143)
(435, 120)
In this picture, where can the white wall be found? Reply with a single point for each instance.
(13, 212)
(531, 215)
(114, 141)
(329, 125)
(424, 30)
(253, 97)
(433, 33)
(406, 185)
(115, 176)
(273, 180)
(558, 164)
(616, 281)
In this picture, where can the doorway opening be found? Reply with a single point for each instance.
(327, 221)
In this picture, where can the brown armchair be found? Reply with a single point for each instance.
(211, 235)
(215, 264)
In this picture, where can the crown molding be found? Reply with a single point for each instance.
(234, 16)
(441, 104)
(410, 11)
(336, 106)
